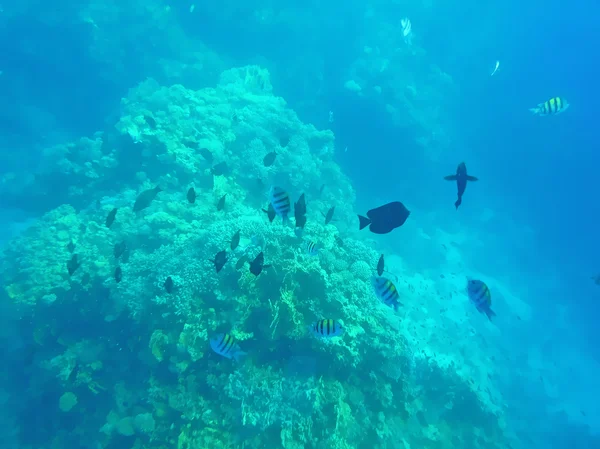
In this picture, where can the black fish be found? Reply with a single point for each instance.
(385, 218)
(461, 177)
(151, 122)
(380, 266)
(300, 206)
(220, 169)
(270, 212)
(269, 159)
(241, 261)
(220, 260)
(110, 218)
(235, 241)
(191, 195)
(73, 264)
(257, 265)
(119, 249)
(118, 274)
(329, 215)
(301, 221)
(145, 198)
(169, 284)
(71, 246)
(206, 154)
(221, 203)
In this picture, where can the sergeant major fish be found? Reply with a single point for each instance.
(480, 295)
(326, 328)
(461, 177)
(386, 292)
(281, 202)
(226, 346)
(553, 106)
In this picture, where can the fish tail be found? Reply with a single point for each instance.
(472, 178)
(535, 111)
(458, 202)
(489, 313)
(364, 222)
(239, 356)
(450, 178)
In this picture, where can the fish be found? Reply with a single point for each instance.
(596, 279)
(329, 215)
(73, 264)
(269, 159)
(220, 260)
(145, 198)
(241, 261)
(496, 67)
(270, 212)
(71, 246)
(258, 264)
(300, 222)
(553, 106)
(327, 328)
(480, 295)
(235, 240)
(220, 169)
(150, 120)
(386, 218)
(119, 249)
(461, 177)
(380, 265)
(221, 203)
(118, 274)
(281, 202)
(312, 249)
(386, 291)
(206, 154)
(110, 218)
(338, 240)
(226, 346)
(191, 195)
(300, 207)
(169, 284)
(191, 144)
(406, 29)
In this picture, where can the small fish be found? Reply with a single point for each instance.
(191, 195)
(119, 249)
(110, 218)
(150, 120)
(226, 345)
(118, 274)
(71, 246)
(327, 328)
(281, 202)
(312, 249)
(461, 177)
(269, 159)
(220, 260)
(169, 284)
(145, 198)
(241, 261)
(220, 169)
(386, 292)
(258, 264)
(235, 241)
(73, 264)
(329, 215)
(386, 218)
(496, 67)
(380, 266)
(270, 212)
(206, 154)
(406, 29)
(300, 207)
(221, 203)
(553, 106)
(480, 295)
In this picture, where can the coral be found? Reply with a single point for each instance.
(67, 401)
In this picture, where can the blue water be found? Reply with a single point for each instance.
(529, 224)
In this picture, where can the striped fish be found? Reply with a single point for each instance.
(226, 345)
(327, 328)
(553, 106)
(312, 249)
(480, 295)
(386, 292)
(406, 27)
(281, 202)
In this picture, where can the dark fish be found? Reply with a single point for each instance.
(327, 328)
(145, 198)
(221, 203)
(380, 266)
(235, 241)
(269, 159)
(73, 264)
(386, 292)
(71, 246)
(118, 274)
(281, 202)
(206, 154)
(257, 265)
(329, 215)
(385, 218)
(220, 260)
(119, 249)
(150, 120)
(480, 295)
(191, 144)
(110, 218)
(300, 207)
(301, 221)
(270, 212)
(461, 177)
(220, 169)
(241, 261)
(169, 284)
(191, 195)
(226, 346)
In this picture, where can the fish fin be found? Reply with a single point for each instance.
(458, 203)
(535, 111)
(364, 222)
(239, 356)
(472, 178)
(490, 313)
(450, 178)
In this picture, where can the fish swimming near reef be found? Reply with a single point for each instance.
(461, 177)
(110, 218)
(406, 29)
(312, 249)
(329, 215)
(386, 291)
(326, 328)
(300, 207)
(270, 212)
(480, 295)
(269, 159)
(206, 154)
(73, 264)
(386, 218)
(71, 246)
(281, 202)
(169, 284)
(553, 106)
(380, 265)
(241, 261)
(226, 346)
(145, 198)
(220, 260)
(220, 169)
(235, 240)
(221, 203)
(191, 195)
(258, 264)
(118, 274)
